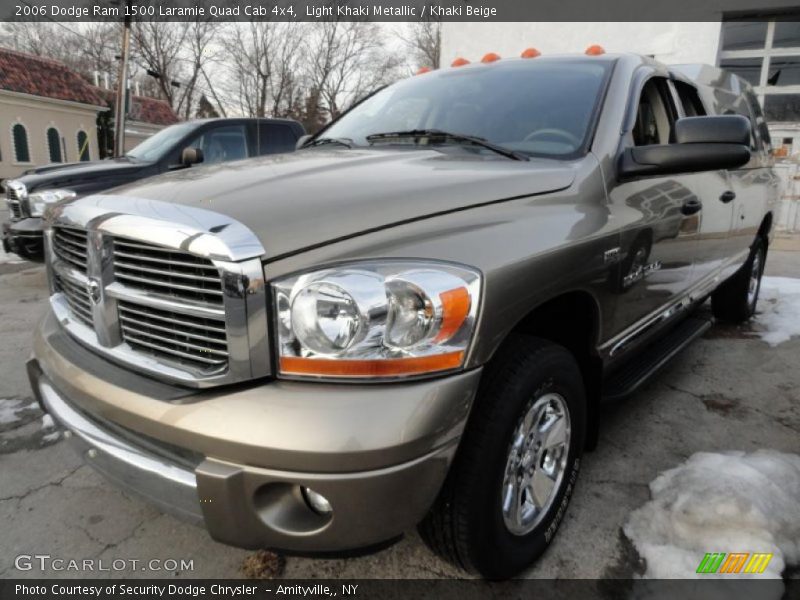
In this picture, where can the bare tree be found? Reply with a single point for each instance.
(86, 51)
(175, 54)
(424, 42)
(157, 48)
(346, 61)
(265, 61)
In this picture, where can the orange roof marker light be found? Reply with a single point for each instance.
(423, 70)
(595, 50)
(459, 62)
(490, 57)
(530, 53)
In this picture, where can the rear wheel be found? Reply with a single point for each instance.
(517, 464)
(735, 300)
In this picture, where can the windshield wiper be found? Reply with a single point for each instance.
(446, 136)
(346, 142)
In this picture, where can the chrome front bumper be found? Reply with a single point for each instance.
(170, 487)
(237, 459)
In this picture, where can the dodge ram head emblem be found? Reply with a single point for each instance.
(93, 289)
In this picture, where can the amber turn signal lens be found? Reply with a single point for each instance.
(423, 70)
(413, 365)
(490, 57)
(455, 308)
(459, 62)
(530, 53)
(595, 50)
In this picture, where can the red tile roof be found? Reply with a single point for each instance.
(29, 74)
(143, 108)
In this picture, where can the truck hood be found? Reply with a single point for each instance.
(75, 174)
(308, 198)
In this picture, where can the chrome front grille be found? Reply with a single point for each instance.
(70, 246)
(80, 303)
(15, 209)
(198, 341)
(164, 271)
(14, 202)
(144, 291)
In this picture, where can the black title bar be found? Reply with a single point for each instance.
(396, 10)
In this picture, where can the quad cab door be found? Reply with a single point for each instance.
(662, 218)
(755, 185)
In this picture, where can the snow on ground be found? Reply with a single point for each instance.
(720, 502)
(9, 257)
(9, 409)
(778, 315)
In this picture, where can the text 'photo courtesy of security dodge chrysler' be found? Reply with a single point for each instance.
(412, 319)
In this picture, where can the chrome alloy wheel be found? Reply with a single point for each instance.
(537, 461)
(755, 277)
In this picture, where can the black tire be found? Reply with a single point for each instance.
(466, 525)
(732, 301)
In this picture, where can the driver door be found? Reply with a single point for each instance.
(659, 219)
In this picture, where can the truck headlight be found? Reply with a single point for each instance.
(375, 319)
(39, 201)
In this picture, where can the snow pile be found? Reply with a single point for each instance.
(720, 502)
(778, 314)
(9, 409)
(9, 257)
(49, 424)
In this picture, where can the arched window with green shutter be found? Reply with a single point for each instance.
(83, 146)
(19, 139)
(54, 145)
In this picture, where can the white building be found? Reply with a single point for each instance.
(766, 53)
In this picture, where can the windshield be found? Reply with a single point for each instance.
(154, 147)
(537, 107)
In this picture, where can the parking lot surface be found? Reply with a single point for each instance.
(728, 391)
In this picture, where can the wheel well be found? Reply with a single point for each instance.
(572, 320)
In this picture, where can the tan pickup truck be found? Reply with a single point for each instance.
(413, 318)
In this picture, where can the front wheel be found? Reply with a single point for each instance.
(735, 300)
(517, 464)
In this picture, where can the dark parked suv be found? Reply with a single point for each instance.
(219, 140)
(412, 319)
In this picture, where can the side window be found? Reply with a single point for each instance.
(83, 146)
(760, 121)
(741, 107)
(690, 99)
(274, 138)
(19, 139)
(655, 115)
(222, 144)
(54, 145)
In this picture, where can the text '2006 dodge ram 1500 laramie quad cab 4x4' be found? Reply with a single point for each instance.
(412, 319)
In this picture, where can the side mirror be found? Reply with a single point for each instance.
(301, 140)
(702, 144)
(722, 129)
(191, 156)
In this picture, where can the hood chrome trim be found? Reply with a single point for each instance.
(198, 231)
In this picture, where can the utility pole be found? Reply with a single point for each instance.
(122, 84)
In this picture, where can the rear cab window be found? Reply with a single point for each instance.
(275, 138)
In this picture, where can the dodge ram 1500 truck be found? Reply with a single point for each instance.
(412, 319)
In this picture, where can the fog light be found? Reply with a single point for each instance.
(318, 503)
